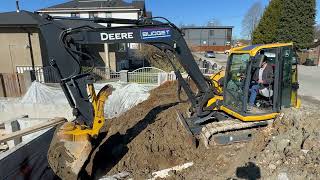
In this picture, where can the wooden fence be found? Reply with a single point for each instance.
(12, 85)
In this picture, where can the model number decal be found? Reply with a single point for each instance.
(155, 33)
(116, 36)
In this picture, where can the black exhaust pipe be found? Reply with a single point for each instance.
(17, 6)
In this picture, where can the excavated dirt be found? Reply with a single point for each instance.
(291, 148)
(148, 138)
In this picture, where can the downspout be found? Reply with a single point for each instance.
(31, 51)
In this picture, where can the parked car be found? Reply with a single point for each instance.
(210, 54)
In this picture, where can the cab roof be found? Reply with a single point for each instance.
(253, 49)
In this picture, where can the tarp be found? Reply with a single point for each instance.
(124, 98)
(39, 93)
(43, 101)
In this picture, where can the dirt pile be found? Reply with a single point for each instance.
(292, 147)
(148, 138)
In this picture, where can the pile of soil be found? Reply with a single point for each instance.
(291, 149)
(148, 138)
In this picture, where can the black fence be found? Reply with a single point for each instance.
(47, 75)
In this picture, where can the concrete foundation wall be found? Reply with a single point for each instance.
(15, 49)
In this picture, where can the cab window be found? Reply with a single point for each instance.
(235, 83)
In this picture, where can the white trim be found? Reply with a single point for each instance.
(87, 10)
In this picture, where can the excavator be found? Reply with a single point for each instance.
(218, 108)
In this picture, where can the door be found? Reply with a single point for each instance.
(289, 78)
(234, 91)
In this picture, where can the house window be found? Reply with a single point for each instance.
(93, 15)
(75, 14)
(108, 15)
(211, 32)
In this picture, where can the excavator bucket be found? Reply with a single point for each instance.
(66, 154)
(72, 144)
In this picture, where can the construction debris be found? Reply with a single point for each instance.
(118, 176)
(165, 173)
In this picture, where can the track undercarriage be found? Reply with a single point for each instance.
(224, 131)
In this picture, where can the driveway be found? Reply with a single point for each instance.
(220, 59)
(309, 80)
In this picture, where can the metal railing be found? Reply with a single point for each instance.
(106, 74)
(47, 75)
(143, 78)
(147, 75)
(42, 74)
(207, 71)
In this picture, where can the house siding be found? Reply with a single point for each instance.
(208, 37)
(14, 49)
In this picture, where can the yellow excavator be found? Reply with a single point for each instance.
(233, 94)
(218, 108)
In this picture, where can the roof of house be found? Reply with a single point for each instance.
(207, 27)
(29, 19)
(95, 4)
(21, 19)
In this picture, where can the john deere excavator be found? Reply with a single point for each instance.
(218, 107)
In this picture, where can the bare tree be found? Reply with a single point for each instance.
(317, 32)
(251, 19)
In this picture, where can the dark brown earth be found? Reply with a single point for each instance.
(148, 138)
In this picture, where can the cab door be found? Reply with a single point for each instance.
(288, 77)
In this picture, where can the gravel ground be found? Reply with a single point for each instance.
(309, 79)
(220, 59)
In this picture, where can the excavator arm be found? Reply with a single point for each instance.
(63, 46)
(63, 43)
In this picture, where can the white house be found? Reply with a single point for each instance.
(104, 9)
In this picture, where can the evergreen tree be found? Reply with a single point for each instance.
(297, 22)
(287, 21)
(266, 31)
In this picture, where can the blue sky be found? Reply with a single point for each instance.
(198, 12)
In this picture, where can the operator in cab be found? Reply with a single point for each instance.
(262, 78)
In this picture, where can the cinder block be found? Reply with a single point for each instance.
(10, 127)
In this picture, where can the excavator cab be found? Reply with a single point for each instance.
(243, 62)
(233, 121)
